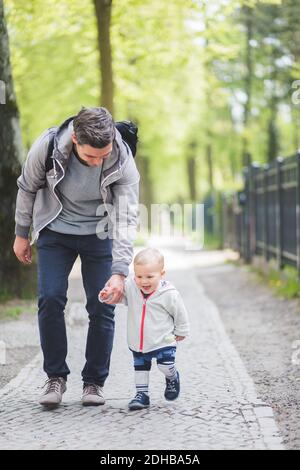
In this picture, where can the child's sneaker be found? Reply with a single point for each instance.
(140, 401)
(172, 388)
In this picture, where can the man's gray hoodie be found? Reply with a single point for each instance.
(38, 203)
(153, 322)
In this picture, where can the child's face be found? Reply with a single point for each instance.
(147, 276)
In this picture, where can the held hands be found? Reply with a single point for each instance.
(103, 296)
(113, 290)
(22, 250)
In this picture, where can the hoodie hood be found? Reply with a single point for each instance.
(163, 286)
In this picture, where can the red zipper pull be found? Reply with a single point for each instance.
(143, 325)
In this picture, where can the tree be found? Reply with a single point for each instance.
(215, 74)
(248, 13)
(103, 16)
(12, 274)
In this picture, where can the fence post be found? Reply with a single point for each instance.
(279, 247)
(245, 226)
(265, 202)
(253, 204)
(298, 212)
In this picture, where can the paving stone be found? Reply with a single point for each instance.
(218, 407)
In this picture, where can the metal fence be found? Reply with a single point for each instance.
(264, 218)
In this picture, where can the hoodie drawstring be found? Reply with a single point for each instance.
(54, 169)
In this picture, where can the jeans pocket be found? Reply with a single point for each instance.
(45, 235)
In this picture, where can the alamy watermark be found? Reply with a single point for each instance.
(118, 221)
(296, 93)
(296, 352)
(2, 92)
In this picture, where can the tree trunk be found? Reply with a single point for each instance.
(273, 140)
(12, 273)
(296, 125)
(146, 189)
(273, 148)
(103, 16)
(210, 167)
(191, 170)
(209, 136)
(248, 79)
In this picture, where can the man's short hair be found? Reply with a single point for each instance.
(94, 127)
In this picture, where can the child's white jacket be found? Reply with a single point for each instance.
(152, 321)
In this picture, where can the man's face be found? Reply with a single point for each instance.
(91, 155)
(147, 276)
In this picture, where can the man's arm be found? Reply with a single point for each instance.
(125, 203)
(31, 179)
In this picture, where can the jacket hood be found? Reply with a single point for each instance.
(164, 286)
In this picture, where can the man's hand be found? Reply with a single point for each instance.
(22, 250)
(113, 290)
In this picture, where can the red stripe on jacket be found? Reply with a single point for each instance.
(143, 320)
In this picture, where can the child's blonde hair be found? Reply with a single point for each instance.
(149, 255)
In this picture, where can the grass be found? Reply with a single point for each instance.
(14, 308)
(284, 282)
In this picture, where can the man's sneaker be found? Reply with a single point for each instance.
(55, 387)
(140, 401)
(172, 388)
(92, 395)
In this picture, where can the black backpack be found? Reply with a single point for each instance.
(129, 133)
(127, 129)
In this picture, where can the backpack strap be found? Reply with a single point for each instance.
(49, 161)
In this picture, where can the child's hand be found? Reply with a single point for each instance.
(104, 295)
(179, 338)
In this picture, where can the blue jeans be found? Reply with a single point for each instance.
(143, 361)
(57, 253)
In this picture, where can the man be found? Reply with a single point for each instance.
(70, 205)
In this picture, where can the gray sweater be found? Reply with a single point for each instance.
(79, 193)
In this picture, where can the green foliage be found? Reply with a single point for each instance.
(4, 295)
(285, 283)
(209, 241)
(13, 309)
(180, 72)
